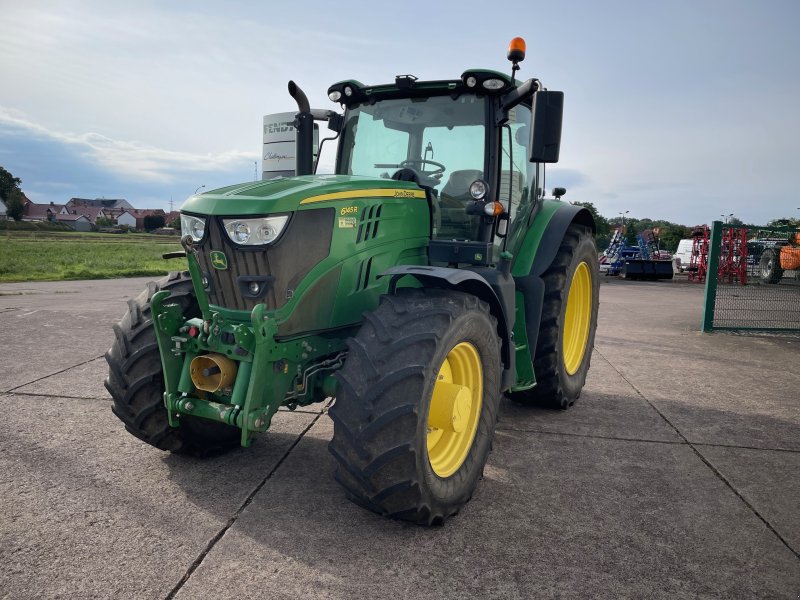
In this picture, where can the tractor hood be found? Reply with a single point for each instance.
(293, 193)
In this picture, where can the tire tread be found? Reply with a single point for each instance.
(135, 379)
(376, 413)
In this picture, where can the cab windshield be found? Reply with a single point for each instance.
(439, 142)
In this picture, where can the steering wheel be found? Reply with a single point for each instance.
(409, 164)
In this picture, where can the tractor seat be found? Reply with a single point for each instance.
(457, 186)
(455, 222)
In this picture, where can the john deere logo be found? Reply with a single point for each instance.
(219, 260)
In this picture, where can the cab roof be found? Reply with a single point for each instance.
(351, 92)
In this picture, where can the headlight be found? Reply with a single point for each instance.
(255, 232)
(479, 189)
(193, 226)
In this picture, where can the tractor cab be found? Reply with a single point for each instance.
(477, 146)
(444, 139)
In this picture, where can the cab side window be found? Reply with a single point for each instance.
(517, 175)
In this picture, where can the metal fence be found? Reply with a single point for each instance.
(753, 279)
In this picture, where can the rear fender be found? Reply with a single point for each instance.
(533, 257)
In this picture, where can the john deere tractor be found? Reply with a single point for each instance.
(416, 285)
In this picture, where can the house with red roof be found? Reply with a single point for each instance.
(77, 222)
(90, 212)
(111, 207)
(140, 215)
(172, 216)
(126, 218)
(42, 212)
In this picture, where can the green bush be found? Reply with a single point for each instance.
(10, 225)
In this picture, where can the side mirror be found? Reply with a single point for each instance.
(335, 122)
(548, 111)
(316, 141)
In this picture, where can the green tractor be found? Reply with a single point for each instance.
(422, 281)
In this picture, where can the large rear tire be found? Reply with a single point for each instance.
(568, 324)
(417, 405)
(136, 383)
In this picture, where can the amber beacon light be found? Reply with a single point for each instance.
(516, 50)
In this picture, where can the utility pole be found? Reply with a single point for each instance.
(255, 170)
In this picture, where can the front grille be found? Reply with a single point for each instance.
(278, 268)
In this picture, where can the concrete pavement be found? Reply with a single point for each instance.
(676, 475)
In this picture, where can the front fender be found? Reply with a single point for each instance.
(540, 243)
(490, 285)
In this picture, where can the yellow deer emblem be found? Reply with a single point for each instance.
(219, 260)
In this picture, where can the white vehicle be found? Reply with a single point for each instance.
(684, 253)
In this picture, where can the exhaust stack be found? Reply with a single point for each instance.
(304, 123)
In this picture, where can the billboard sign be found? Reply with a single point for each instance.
(278, 154)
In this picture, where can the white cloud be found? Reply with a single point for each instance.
(131, 158)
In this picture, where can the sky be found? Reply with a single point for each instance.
(677, 110)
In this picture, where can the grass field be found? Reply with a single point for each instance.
(61, 255)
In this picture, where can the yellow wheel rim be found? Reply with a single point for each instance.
(455, 409)
(577, 318)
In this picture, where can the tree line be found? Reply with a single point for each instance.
(670, 234)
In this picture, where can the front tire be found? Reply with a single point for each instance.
(568, 324)
(136, 382)
(417, 405)
(770, 265)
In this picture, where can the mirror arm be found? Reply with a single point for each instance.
(517, 95)
(334, 119)
(321, 114)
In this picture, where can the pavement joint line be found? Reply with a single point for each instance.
(707, 462)
(624, 439)
(86, 362)
(221, 533)
(589, 435)
(710, 445)
(35, 395)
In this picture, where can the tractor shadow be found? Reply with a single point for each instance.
(296, 472)
(300, 523)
